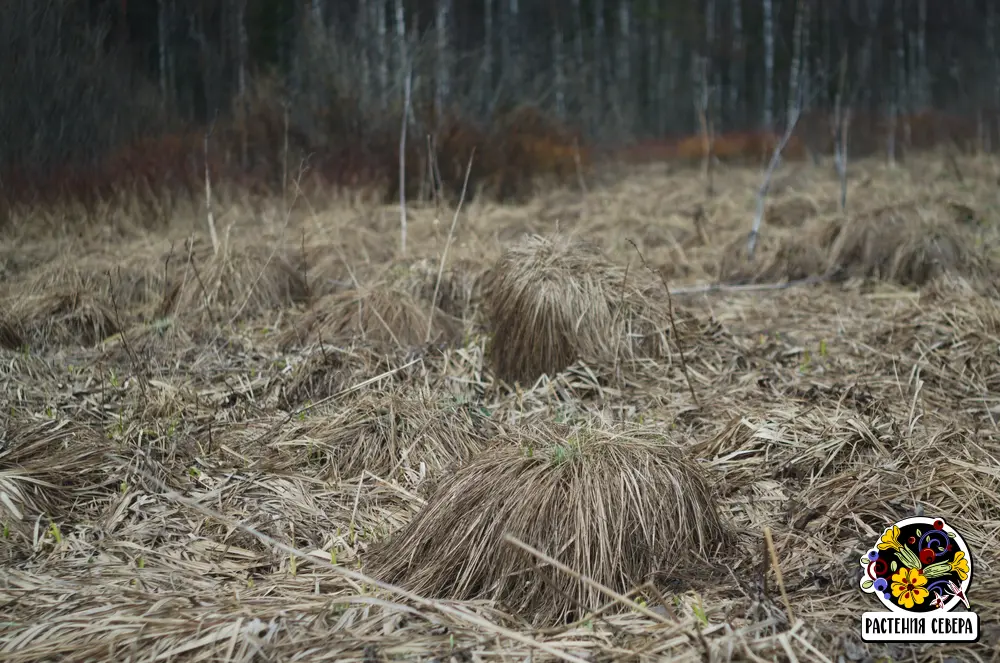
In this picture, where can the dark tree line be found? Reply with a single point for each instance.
(79, 77)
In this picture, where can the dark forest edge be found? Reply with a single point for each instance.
(123, 97)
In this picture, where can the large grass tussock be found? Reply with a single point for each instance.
(554, 300)
(618, 507)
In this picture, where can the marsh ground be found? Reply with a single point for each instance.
(157, 392)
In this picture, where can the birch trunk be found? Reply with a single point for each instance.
(486, 91)
(442, 82)
(795, 71)
(161, 24)
(737, 68)
(381, 53)
(623, 64)
(768, 8)
(559, 61)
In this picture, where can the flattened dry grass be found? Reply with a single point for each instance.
(196, 487)
(618, 507)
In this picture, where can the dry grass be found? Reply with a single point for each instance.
(619, 507)
(394, 437)
(554, 300)
(224, 456)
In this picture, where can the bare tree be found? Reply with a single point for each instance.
(381, 51)
(559, 65)
(598, 55)
(509, 44)
(795, 74)
(768, 8)
(487, 68)
(736, 62)
(442, 79)
(623, 62)
(402, 53)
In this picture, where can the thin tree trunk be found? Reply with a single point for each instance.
(737, 68)
(925, 80)
(579, 57)
(486, 92)
(598, 76)
(654, 77)
(795, 71)
(768, 8)
(559, 61)
(402, 52)
(364, 32)
(442, 83)
(382, 53)
(161, 24)
(901, 105)
(509, 52)
(623, 64)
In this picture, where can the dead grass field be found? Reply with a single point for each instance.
(308, 385)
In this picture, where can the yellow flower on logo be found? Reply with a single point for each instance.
(960, 565)
(908, 587)
(890, 539)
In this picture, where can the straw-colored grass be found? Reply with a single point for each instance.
(387, 435)
(223, 456)
(619, 507)
(555, 300)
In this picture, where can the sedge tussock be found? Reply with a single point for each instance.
(620, 507)
(388, 435)
(903, 246)
(62, 318)
(380, 315)
(554, 300)
(457, 291)
(239, 282)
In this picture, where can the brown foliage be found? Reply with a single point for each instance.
(258, 148)
(740, 146)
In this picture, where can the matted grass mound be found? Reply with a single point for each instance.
(777, 258)
(619, 507)
(554, 300)
(48, 469)
(238, 282)
(902, 246)
(380, 315)
(456, 292)
(62, 318)
(388, 435)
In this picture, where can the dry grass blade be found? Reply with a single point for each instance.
(618, 507)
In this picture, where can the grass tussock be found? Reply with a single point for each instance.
(903, 246)
(63, 318)
(239, 282)
(618, 507)
(554, 300)
(380, 314)
(403, 438)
